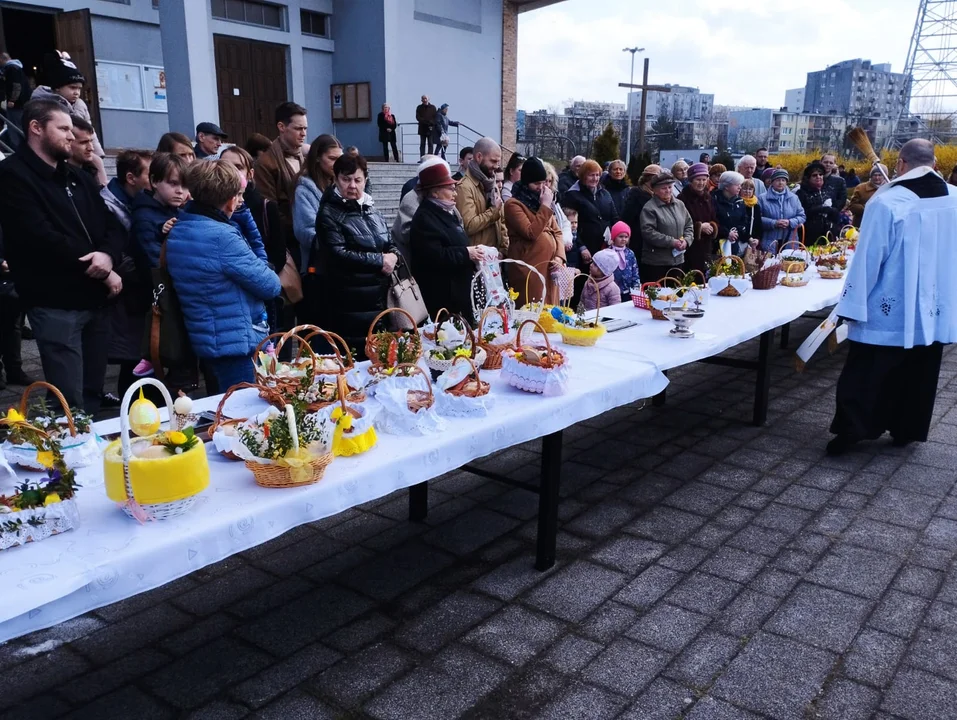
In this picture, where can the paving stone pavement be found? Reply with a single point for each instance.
(707, 570)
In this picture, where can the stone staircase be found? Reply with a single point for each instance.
(386, 181)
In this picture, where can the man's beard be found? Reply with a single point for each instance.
(487, 170)
(56, 152)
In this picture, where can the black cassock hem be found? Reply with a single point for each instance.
(887, 389)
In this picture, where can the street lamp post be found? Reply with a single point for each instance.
(632, 50)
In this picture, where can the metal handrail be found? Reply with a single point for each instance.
(457, 140)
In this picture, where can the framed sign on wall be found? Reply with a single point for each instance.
(128, 86)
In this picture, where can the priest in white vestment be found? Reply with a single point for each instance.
(900, 301)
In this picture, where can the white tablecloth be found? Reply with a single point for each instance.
(111, 557)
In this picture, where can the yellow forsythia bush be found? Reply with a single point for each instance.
(795, 163)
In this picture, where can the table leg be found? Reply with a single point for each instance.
(659, 399)
(419, 501)
(785, 335)
(762, 385)
(548, 500)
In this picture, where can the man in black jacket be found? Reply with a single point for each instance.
(61, 242)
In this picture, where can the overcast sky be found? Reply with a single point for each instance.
(746, 52)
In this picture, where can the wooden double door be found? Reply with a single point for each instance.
(251, 83)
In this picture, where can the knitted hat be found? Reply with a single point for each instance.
(697, 170)
(618, 228)
(767, 173)
(663, 178)
(780, 173)
(588, 167)
(606, 260)
(533, 171)
(60, 70)
(876, 170)
(434, 172)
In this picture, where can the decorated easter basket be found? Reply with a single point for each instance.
(794, 254)
(535, 368)
(581, 332)
(461, 392)
(482, 298)
(38, 508)
(355, 432)
(150, 485)
(729, 277)
(79, 446)
(408, 404)
(794, 275)
(494, 344)
(440, 356)
(660, 295)
(386, 349)
(832, 267)
(297, 466)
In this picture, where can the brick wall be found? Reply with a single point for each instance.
(509, 73)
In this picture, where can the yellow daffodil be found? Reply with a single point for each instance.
(177, 438)
(45, 458)
(463, 352)
(14, 416)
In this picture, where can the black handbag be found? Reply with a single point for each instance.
(166, 342)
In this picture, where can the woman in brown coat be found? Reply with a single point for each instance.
(534, 234)
(864, 192)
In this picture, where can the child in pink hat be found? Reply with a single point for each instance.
(603, 267)
(626, 274)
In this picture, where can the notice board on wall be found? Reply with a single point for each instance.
(129, 86)
(351, 101)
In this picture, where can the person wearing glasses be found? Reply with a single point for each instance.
(818, 200)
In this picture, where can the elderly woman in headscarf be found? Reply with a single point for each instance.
(864, 192)
(680, 171)
(666, 230)
(444, 260)
(615, 181)
(781, 212)
(697, 199)
(534, 235)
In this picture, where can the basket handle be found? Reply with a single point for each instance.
(663, 282)
(597, 292)
(57, 394)
(787, 268)
(421, 372)
(335, 341)
(485, 314)
(470, 361)
(518, 337)
(265, 340)
(533, 269)
(218, 417)
(796, 245)
(383, 314)
(438, 317)
(732, 260)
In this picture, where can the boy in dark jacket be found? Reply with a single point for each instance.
(155, 212)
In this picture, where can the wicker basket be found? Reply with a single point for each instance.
(274, 389)
(219, 422)
(24, 456)
(766, 278)
(531, 309)
(271, 475)
(799, 248)
(794, 275)
(476, 353)
(656, 313)
(430, 332)
(472, 386)
(493, 351)
(589, 335)
(728, 290)
(481, 299)
(377, 343)
(418, 399)
(546, 375)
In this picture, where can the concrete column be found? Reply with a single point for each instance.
(509, 73)
(190, 64)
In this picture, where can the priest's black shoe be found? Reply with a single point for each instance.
(839, 445)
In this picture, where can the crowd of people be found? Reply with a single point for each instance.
(254, 239)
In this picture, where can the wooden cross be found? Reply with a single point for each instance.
(645, 88)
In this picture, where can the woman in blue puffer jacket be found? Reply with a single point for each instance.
(222, 285)
(781, 212)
